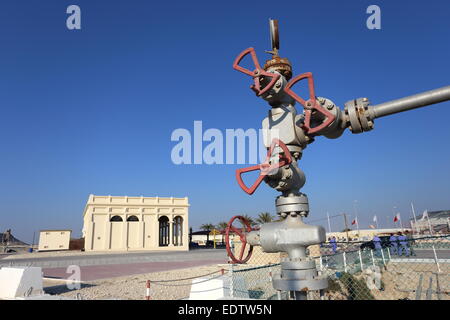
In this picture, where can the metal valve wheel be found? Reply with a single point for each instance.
(256, 74)
(266, 167)
(310, 105)
(241, 232)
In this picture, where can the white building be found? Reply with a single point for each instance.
(121, 223)
(50, 240)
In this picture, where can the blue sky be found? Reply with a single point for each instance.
(92, 110)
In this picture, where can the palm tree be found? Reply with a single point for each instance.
(207, 227)
(222, 225)
(264, 217)
(250, 220)
(279, 219)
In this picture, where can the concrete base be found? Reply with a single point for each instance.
(20, 282)
(218, 288)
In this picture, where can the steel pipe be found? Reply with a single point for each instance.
(408, 103)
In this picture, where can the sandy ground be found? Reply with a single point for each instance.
(134, 287)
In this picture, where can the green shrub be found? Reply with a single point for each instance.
(356, 288)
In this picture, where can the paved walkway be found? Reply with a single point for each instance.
(89, 273)
(122, 258)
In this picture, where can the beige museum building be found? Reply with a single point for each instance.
(121, 223)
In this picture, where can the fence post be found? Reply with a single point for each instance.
(270, 273)
(382, 256)
(147, 293)
(429, 292)
(373, 259)
(360, 260)
(389, 253)
(438, 287)
(231, 281)
(419, 288)
(322, 294)
(345, 261)
(436, 260)
(321, 265)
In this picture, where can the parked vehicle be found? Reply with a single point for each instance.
(385, 243)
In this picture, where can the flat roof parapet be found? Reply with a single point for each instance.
(140, 200)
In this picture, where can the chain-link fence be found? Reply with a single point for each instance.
(414, 269)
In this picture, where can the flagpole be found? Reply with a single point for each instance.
(429, 224)
(415, 221)
(329, 225)
(400, 220)
(346, 225)
(356, 214)
(448, 223)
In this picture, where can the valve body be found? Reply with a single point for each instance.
(286, 134)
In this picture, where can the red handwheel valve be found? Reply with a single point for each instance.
(310, 105)
(266, 167)
(257, 73)
(242, 237)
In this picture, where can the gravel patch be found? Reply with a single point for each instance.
(134, 287)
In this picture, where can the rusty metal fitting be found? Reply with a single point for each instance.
(358, 116)
(282, 65)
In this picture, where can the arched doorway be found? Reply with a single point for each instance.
(163, 231)
(115, 240)
(177, 233)
(133, 232)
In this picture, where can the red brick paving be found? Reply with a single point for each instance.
(89, 273)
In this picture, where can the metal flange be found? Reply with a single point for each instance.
(293, 204)
(318, 283)
(358, 115)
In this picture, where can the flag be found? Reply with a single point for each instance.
(397, 217)
(374, 218)
(354, 221)
(425, 215)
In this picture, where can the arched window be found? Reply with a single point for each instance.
(163, 231)
(177, 233)
(132, 218)
(116, 219)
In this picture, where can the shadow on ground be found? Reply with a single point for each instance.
(64, 288)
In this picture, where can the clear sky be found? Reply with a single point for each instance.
(92, 110)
